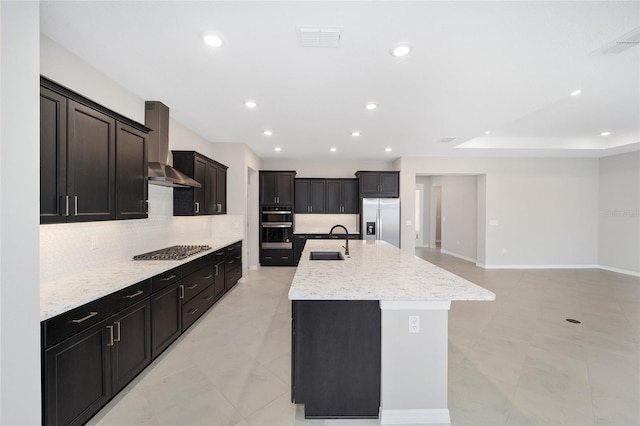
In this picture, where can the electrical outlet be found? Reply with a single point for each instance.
(414, 324)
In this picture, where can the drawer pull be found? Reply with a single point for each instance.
(285, 257)
(83, 319)
(110, 327)
(208, 276)
(117, 338)
(170, 277)
(136, 294)
(208, 298)
(193, 311)
(238, 257)
(268, 257)
(191, 287)
(233, 261)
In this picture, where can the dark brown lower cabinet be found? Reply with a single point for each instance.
(219, 279)
(166, 318)
(336, 357)
(131, 350)
(84, 371)
(77, 377)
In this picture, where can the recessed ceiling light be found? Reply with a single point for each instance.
(250, 104)
(355, 134)
(605, 133)
(371, 106)
(487, 132)
(277, 149)
(212, 40)
(401, 50)
(332, 149)
(267, 132)
(576, 92)
(387, 150)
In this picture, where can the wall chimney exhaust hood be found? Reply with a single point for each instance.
(156, 117)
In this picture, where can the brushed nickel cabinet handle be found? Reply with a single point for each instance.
(216, 270)
(75, 205)
(66, 205)
(117, 338)
(170, 277)
(191, 287)
(193, 311)
(197, 207)
(181, 291)
(131, 296)
(208, 298)
(208, 276)
(110, 327)
(83, 319)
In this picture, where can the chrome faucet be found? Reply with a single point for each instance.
(346, 246)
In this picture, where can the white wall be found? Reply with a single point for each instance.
(546, 208)
(19, 211)
(619, 213)
(459, 216)
(326, 169)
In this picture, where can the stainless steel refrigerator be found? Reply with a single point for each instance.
(381, 220)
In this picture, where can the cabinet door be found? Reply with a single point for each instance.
(131, 172)
(389, 184)
(77, 379)
(369, 183)
(90, 164)
(211, 186)
(316, 197)
(53, 156)
(218, 278)
(268, 188)
(285, 188)
(166, 318)
(334, 196)
(131, 351)
(350, 201)
(301, 196)
(221, 190)
(200, 175)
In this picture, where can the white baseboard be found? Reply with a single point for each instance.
(253, 267)
(540, 266)
(620, 271)
(459, 256)
(407, 417)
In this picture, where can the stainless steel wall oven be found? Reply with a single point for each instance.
(276, 225)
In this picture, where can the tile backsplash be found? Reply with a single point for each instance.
(322, 223)
(70, 248)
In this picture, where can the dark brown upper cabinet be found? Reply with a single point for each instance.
(277, 188)
(93, 162)
(342, 196)
(379, 184)
(310, 195)
(211, 197)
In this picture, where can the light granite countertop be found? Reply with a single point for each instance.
(376, 270)
(61, 295)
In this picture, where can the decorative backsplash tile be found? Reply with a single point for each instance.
(70, 248)
(322, 223)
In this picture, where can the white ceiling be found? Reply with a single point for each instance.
(508, 67)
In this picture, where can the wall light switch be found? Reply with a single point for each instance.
(414, 324)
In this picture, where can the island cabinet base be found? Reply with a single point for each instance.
(336, 357)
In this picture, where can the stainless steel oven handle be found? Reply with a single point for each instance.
(277, 225)
(276, 211)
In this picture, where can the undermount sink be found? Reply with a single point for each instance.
(326, 255)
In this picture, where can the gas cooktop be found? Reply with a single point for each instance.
(172, 253)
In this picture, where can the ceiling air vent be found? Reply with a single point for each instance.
(318, 36)
(627, 41)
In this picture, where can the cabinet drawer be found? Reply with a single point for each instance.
(233, 276)
(196, 282)
(163, 280)
(219, 255)
(60, 327)
(197, 264)
(194, 309)
(129, 296)
(276, 257)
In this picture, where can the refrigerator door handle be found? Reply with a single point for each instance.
(379, 232)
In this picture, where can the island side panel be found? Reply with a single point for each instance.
(336, 358)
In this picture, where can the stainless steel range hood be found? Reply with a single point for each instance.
(156, 118)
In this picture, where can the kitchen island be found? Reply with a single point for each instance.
(370, 333)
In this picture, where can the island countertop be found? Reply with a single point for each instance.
(376, 270)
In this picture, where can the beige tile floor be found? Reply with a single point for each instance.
(515, 361)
